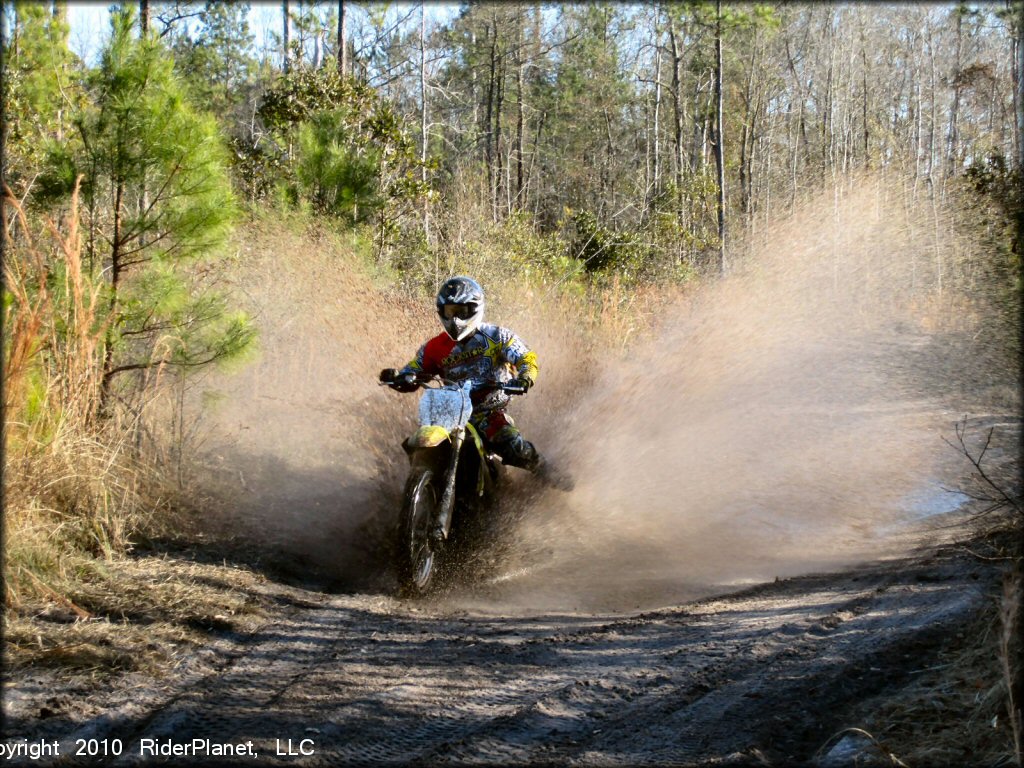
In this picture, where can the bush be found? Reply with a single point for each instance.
(603, 250)
(340, 147)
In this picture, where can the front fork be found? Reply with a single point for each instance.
(444, 515)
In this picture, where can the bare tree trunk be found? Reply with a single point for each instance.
(144, 23)
(801, 139)
(953, 140)
(489, 143)
(657, 123)
(918, 138)
(719, 138)
(536, 58)
(794, 143)
(286, 35)
(342, 45)
(931, 87)
(500, 171)
(607, 190)
(827, 127)
(677, 103)
(706, 127)
(423, 118)
(474, 96)
(751, 105)
(533, 160)
(116, 267)
(520, 113)
(648, 147)
(864, 100)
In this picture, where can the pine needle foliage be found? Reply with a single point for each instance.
(157, 198)
(39, 87)
(340, 148)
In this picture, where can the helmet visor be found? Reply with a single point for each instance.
(460, 311)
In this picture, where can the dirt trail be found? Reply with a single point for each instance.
(766, 673)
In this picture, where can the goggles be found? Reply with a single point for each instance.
(460, 311)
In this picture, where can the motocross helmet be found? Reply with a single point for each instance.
(460, 305)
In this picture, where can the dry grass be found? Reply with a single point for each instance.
(71, 485)
(54, 327)
(77, 491)
(951, 713)
(131, 615)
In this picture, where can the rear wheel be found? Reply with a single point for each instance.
(418, 555)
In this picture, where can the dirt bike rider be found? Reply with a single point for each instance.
(471, 349)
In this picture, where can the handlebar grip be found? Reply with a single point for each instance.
(400, 382)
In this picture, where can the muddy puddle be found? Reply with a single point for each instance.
(569, 571)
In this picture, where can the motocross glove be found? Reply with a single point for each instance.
(405, 382)
(525, 382)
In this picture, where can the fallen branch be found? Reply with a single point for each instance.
(54, 595)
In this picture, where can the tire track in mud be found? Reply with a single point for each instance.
(766, 671)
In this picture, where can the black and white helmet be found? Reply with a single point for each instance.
(460, 305)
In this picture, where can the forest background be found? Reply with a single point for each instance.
(604, 156)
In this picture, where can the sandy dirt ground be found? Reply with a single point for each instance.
(765, 675)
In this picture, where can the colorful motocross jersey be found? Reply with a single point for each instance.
(491, 355)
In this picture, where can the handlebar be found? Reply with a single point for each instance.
(390, 377)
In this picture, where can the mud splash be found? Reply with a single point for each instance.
(298, 452)
(782, 421)
(775, 423)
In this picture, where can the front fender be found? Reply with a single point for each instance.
(429, 436)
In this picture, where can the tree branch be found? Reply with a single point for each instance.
(1000, 498)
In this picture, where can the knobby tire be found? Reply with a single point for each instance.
(418, 557)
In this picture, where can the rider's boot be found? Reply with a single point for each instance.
(553, 476)
(516, 451)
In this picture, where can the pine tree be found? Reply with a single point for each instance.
(157, 195)
(588, 120)
(40, 86)
(218, 62)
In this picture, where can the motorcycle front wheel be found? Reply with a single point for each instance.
(418, 555)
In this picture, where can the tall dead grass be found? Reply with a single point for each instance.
(74, 489)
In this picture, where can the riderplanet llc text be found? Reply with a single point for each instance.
(101, 749)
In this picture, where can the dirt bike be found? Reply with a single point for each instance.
(451, 477)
